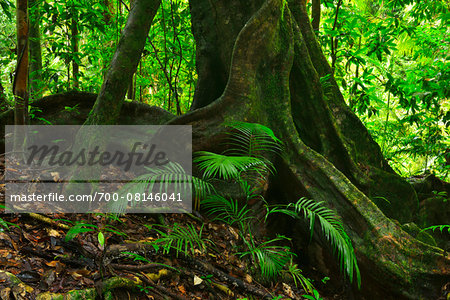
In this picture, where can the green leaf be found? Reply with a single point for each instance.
(441, 228)
(6, 6)
(101, 239)
(181, 239)
(77, 229)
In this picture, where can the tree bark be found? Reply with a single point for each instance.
(216, 27)
(315, 14)
(3, 104)
(35, 50)
(131, 90)
(124, 63)
(377, 179)
(74, 44)
(20, 85)
(273, 75)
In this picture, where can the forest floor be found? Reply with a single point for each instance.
(122, 263)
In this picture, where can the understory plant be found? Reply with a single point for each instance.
(270, 257)
(331, 227)
(182, 239)
(245, 162)
(83, 227)
(170, 177)
(5, 224)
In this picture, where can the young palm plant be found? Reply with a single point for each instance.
(331, 227)
(270, 257)
(5, 224)
(245, 161)
(181, 239)
(227, 210)
(298, 277)
(249, 142)
(252, 139)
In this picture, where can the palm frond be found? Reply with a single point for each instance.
(250, 191)
(202, 189)
(271, 258)
(331, 227)
(334, 232)
(182, 239)
(227, 210)
(223, 166)
(252, 139)
(298, 277)
(441, 228)
(169, 178)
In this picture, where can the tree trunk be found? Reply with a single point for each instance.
(315, 14)
(35, 50)
(20, 85)
(216, 27)
(263, 64)
(108, 105)
(3, 104)
(74, 44)
(124, 63)
(131, 90)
